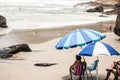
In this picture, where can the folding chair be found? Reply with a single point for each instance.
(81, 73)
(93, 67)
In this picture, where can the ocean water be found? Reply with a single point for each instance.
(30, 14)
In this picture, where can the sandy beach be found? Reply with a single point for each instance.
(42, 42)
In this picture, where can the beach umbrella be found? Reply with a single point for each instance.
(98, 49)
(79, 37)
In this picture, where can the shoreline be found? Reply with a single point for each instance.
(37, 36)
(95, 25)
(47, 34)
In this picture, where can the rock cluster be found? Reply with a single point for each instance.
(109, 2)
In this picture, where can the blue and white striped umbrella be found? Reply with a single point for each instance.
(98, 49)
(79, 38)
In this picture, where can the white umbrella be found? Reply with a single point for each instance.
(98, 49)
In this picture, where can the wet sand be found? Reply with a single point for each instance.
(35, 36)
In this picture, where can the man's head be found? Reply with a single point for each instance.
(78, 57)
(118, 62)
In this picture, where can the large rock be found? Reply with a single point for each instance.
(93, 5)
(3, 23)
(111, 2)
(117, 25)
(113, 11)
(96, 9)
(9, 51)
(19, 47)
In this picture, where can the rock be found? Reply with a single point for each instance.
(96, 9)
(3, 23)
(5, 55)
(117, 24)
(94, 4)
(114, 11)
(19, 47)
(10, 51)
(110, 2)
(117, 6)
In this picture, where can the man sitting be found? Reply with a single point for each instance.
(114, 69)
(78, 67)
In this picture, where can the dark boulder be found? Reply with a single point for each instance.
(19, 47)
(117, 25)
(9, 51)
(3, 22)
(96, 9)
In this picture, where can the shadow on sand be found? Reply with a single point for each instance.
(100, 77)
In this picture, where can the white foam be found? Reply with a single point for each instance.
(29, 14)
(5, 30)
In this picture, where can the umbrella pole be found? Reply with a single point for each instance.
(97, 58)
(85, 70)
(84, 59)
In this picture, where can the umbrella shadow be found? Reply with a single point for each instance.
(100, 77)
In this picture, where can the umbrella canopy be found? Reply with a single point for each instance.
(98, 49)
(79, 38)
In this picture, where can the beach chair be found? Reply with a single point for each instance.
(80, 73)
(117, 74)
(93, 67)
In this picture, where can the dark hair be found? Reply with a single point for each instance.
(78, 57)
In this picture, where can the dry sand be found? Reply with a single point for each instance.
(21, 66)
